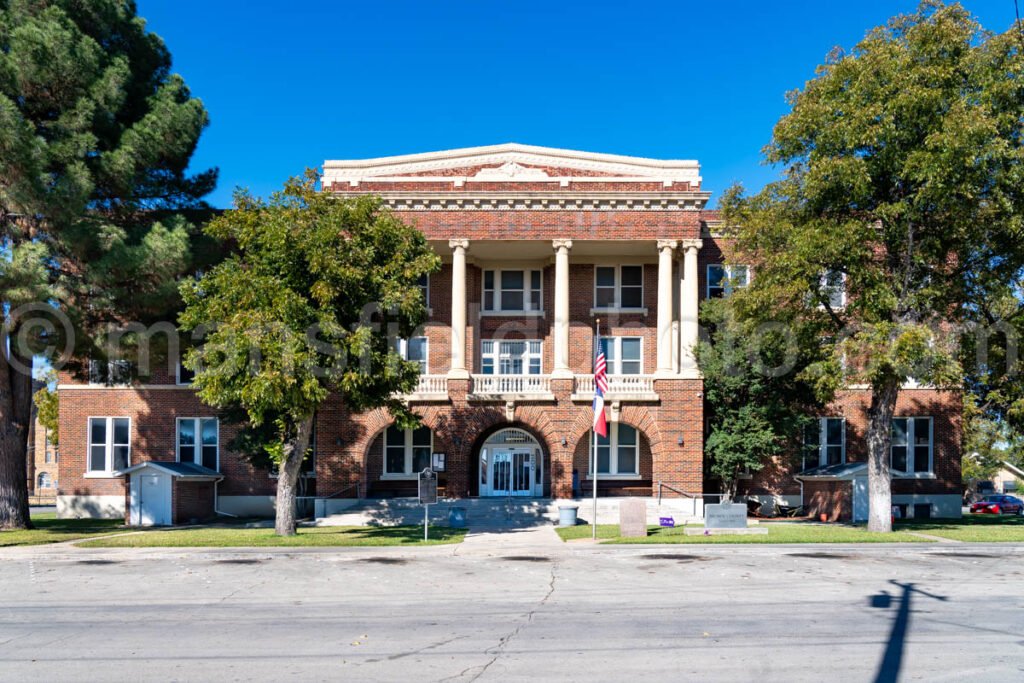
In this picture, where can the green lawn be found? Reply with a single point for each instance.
(237, 537)
(49, 529)
(777, 533)
(972, 529)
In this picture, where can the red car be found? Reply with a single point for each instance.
(998, 505)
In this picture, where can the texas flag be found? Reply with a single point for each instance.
(600, 389)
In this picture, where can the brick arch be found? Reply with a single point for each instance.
(639, 417)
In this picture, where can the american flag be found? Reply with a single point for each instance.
(600, 388)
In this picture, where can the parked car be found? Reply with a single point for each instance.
(998, 505)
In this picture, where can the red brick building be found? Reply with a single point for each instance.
(537, 245)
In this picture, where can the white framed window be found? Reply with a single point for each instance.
(511, 357)
(833, 289)
(199, 441)
(109, 444)
(183, 375)
(424, 285)
(43, 481)
(414, 349)
(407, 451)
(513, 290)
(912, 449)
(825, 443)
(618, 454)
(624, 355)
(723, 279)
(618, 287)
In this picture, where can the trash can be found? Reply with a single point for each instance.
(567, 515)
(457, 517)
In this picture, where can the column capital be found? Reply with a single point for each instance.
(693, 244)
(558, 245)
(667, 244)
(458, 244)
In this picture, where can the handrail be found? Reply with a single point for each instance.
(357, 486)
(662, 485)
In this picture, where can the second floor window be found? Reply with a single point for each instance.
(109, 444)
(199, 441)
(510, 357)
(833, 289)
(512, 290)
(623, 355)
(414, 349)
(184, 376)
(111, 372)
(723, 279)
(618, 287)
(424, 285)
(825, 443)
(911, 445)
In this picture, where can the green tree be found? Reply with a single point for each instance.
(310, 305)
(903, 184)
(757, 395)
(95, 138)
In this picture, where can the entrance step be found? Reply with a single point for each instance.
(504, 512)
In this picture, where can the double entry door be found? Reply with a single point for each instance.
(512, 472)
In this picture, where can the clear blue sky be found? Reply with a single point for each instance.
(289, 84)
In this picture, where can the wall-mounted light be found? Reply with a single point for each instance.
(337, 442)
(679, 441)
(565, 442)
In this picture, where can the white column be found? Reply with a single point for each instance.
(458, 342)
(666, 249)
(561, 368)
(689, 302)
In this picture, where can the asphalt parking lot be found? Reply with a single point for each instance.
(552, 612)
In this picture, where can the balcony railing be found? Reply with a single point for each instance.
(430, 386)
(511, 385)
(619, 386)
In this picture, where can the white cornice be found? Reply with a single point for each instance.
(665, 170)
(566, 201)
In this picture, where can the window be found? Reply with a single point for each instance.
(111, 372)
(407, 451)
(911, 445)
(825, 443)
(619, 452)
(109, 444)
(833, 289)
(424, 285)
(184, 376)
(510, 357)
(724, 279)
(623, 355)
(414, 349)
(512, 290)
(43, 481)
(618, 286)
(199, 441)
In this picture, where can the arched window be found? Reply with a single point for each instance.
(44, 481)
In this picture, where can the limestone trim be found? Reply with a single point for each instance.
(511, 201)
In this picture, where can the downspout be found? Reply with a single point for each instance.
(216, 501)
(797, 479)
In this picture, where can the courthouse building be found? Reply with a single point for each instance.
(537, 246)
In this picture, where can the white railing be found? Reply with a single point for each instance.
(619, 385)
(493, 385)
(430, 385)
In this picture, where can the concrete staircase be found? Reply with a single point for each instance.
(497, 513)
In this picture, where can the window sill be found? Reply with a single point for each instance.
(103, 475)
(618, 311)
(512, 314)
(913, 475)
(605, 477)
(399, 477)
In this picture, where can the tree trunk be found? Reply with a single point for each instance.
(879, 437)
(15, 414)
(288, 478)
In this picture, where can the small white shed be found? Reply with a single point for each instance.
(166, 493)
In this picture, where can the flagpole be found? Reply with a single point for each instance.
(593, 432)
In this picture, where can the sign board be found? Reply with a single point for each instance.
(633, 518)
(428, 487)
(725, 516)
(437, 462)
(670, 522)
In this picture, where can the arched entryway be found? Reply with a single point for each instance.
(511, 463)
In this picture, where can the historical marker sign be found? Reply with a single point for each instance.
(725, 516)
(428, 487)
(633, 518)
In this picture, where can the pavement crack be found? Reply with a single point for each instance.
(498, 650)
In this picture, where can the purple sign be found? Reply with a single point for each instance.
(667, 521)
